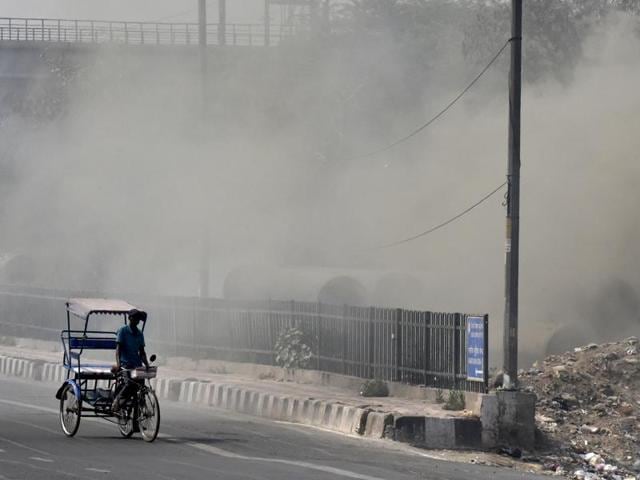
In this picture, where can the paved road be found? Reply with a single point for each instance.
(199, 442)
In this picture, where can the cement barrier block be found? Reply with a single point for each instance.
(317, 408)
(253, 407)
(187, 391)
(376, 424)
(173, 389)
(216, 395)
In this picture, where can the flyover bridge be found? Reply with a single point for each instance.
(141, 33)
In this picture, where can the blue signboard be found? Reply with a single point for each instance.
(475, 349)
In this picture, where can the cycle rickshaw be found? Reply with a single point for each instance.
(89, 388)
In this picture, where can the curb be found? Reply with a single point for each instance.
(429, 432)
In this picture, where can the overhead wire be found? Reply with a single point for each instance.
(441, 112)
(445, 223)
(423, 127)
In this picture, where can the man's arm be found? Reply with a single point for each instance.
(118, 356)
(143, 357)
(119, 340)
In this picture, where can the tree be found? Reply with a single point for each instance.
(553, 44)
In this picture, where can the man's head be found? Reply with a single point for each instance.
(136, 316)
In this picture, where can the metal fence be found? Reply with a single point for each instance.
(419, 348)
(140, 33)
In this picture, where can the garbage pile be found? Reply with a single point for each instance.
(588, 411)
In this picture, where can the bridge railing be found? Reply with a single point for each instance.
(139, 33)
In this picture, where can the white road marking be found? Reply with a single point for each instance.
(98, 470)
(49, 410)
(224, 453)
(27, 447)
(40, 459)
(33, 425)
(32, 407)
(309, 466)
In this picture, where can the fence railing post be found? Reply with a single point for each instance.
(271, 331)
(427, 348)
(194, 343)
(456, 349)
(398, 344)
(173, 325)
(343, 350)
(371, 343)
(319, 335)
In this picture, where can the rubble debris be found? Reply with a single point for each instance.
(513, 452)
(588, 411)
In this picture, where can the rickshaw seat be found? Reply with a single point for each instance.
(92, 371)
(92, 343)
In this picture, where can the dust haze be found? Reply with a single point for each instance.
(140, 170)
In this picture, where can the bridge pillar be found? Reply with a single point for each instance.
(267, 23)
(222, 22)
(202, 22)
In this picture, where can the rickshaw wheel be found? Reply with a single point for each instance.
(149, 416)
(126, 424)
(70, 411)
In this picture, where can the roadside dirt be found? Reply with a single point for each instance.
(588, 411)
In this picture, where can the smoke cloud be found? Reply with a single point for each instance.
(140, 166)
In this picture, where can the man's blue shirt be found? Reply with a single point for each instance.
(130, 344)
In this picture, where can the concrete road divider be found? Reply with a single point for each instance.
(333, 416)
(17, 367)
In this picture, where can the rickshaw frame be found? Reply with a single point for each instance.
(93, 401)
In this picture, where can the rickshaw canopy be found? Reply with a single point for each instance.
(83, 307)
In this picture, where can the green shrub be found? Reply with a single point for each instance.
(8, 341)
(374, 388)
(455, 400)
(291, 351)
(439, 396)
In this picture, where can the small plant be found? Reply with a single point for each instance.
(291, 351)
(439, 396)
(266, 376)
(455, 400)
(8, 341)
(374, 388)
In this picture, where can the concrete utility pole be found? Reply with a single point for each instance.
(512, 246)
